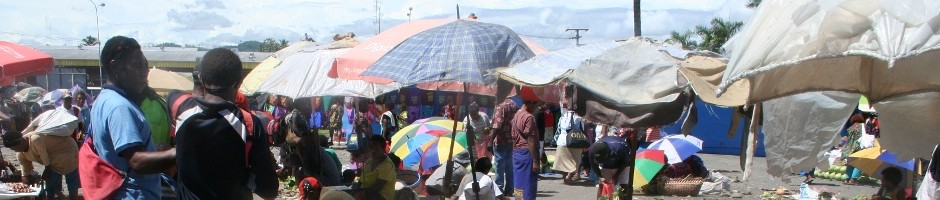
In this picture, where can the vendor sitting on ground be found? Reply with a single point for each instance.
(378, 174)
(487, 188)
(890, 185)
(435, 183)
(692, 166)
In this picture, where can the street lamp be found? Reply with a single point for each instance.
(98, 29)
(409, 13)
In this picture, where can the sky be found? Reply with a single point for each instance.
(213, 23)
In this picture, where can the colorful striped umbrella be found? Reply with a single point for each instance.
(648, 163)
(434, 153)
(402, 142)
(676, 149)
(429, 149)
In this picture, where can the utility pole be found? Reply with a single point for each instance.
(577, 35)
(378, 16)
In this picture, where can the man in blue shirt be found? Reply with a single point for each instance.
(120, 132)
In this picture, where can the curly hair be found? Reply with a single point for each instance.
(118, 48)
(220, 67)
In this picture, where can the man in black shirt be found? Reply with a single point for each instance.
(222, 152)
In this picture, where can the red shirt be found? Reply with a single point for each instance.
(523, 129)
(549, 118)
(501, 123)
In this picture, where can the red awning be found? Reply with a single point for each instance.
(18, 62)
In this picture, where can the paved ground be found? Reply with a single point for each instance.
(727, 165)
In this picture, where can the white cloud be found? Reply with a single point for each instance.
(217, 22)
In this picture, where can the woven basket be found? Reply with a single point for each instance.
(688, 186)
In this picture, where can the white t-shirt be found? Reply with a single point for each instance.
(563, 123)
(488, 190)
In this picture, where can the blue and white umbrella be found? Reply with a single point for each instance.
(692, 139)
(460, 51)
(676, 149)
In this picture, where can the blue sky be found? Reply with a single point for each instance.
(215, 22)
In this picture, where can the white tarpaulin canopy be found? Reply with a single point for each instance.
(260, 73)
(304, 74)
(878, 48)
(626, 83)
(636, 71)
(881, 49)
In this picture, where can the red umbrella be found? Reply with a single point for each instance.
(18, 61)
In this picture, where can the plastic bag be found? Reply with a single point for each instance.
(607, 190)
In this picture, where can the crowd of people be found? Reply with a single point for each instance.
(214, 143)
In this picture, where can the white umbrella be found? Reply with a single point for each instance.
(260, 73)
(691, 139)
(304, 74)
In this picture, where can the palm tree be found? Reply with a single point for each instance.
(685, 39)
(90, 41)
(753, 3)
(715, 36)
(636, 18)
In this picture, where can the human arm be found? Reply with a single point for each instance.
(531, 131)
(125, 127)
(262, 164)
(27, 167)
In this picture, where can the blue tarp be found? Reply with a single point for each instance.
(712, 128)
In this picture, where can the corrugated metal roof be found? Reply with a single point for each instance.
(88, 56)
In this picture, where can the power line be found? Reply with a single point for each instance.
(39, 36)
(544, 37)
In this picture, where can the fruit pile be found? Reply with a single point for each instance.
(838, 173)
(19, 187)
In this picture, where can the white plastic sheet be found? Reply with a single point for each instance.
(304, 74)
(800, 129)
(909, 124)
(879, 48)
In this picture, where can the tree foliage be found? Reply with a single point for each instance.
(753, 3)
(250, 45)
(272, 45)
(707, 37)
(90, 41)
(168, 44)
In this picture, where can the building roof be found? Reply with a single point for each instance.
(169, 57)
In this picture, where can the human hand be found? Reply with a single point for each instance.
(536, 168)
(26, 179)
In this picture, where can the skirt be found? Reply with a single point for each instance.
(566, 159)
(524, 180)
